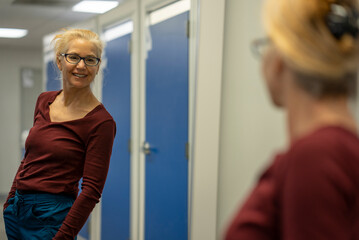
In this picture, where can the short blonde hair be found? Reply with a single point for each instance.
(62, 40)
(298, 29)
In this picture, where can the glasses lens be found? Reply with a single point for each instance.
(91, 61)
(72, 58)
(260, 46)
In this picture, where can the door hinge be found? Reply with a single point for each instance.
(187, 150)
(129, 146)
(188, 29)
(130, 46)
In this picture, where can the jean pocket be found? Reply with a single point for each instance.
(51, 214)
(10, 202)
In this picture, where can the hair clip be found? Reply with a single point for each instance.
(342, 20)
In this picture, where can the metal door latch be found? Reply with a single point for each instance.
(146, 148)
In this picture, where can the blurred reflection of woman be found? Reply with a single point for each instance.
(71, 138)
(310, 191)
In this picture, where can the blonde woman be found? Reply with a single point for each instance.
(310, 191)
(71, 138)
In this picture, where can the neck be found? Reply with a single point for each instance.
(306, 114)
(75, 96)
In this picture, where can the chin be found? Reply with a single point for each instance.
(80, 82)
(79, 85)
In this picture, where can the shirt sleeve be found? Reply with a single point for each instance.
(96, 166)
(256, 219)
(317, 197)
(13, 186)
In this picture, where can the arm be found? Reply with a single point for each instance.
(317, 197)
(13, 187)
(257, 217)
(96, 166)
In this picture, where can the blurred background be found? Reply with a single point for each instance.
(195, 127)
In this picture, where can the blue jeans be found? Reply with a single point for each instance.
(35, 216)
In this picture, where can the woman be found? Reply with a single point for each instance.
(310, 191)
(71, 138)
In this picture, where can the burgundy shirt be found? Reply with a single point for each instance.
(311, 192)
(58, 154)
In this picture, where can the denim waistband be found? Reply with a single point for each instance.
(38, 196)
(32, 198)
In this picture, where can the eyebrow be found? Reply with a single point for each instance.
(80, 56)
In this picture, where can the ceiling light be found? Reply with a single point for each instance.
(169, 11)
(94, 6)
(118, 31)
(12, 33)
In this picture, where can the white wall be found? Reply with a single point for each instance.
(11, 62)
(251, 129)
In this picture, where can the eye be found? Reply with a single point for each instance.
(91, 60)
(73, 57)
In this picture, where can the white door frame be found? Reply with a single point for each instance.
(206, 126)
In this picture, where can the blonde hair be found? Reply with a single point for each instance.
(299, 31)
(62, 40)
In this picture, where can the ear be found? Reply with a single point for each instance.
(58, 63)
(279, 67)
(279, 72)
(274, 68)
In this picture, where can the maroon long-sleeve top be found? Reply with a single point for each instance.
(310, 192)
(58, 154)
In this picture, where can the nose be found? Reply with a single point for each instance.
(81, 64)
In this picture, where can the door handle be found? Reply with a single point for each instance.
(146, 148)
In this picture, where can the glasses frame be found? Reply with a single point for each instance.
(80, 58)
(259, 45)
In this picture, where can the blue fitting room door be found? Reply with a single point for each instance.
(53, 82)
(115, 223)
(166, 171)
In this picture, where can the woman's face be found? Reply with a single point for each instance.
(271, 71)
(78, 75)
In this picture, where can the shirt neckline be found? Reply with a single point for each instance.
(336, 128)
(52, 99)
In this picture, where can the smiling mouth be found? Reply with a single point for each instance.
(79, 75)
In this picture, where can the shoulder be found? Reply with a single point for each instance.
(100, 114)
(43, 99)
(329, 153)
(44, 96)
(104, 113)
(319, 181)
(331, 142)
(101, 118)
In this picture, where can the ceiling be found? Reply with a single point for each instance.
(40, 17)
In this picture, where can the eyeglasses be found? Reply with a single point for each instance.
(75, 59)
(260, 46)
